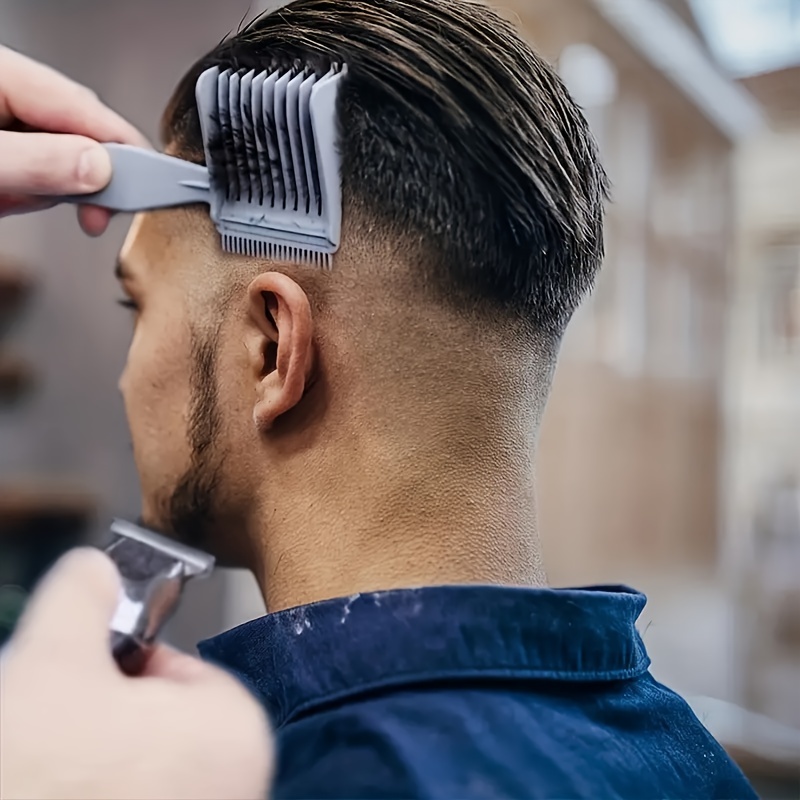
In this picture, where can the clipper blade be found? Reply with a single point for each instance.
(153, 571)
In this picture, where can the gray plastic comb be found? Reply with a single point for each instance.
(283, 123)
(274, 182)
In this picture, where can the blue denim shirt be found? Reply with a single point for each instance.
(473, 692)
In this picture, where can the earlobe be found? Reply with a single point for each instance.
(283, 346)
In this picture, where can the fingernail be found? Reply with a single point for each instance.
(94, 169)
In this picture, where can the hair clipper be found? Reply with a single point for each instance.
(154, 571)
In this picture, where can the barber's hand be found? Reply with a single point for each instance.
(50, 127)
(73, 726)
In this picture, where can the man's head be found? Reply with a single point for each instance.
(472, 228)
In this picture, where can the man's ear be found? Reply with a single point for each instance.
(280, 344)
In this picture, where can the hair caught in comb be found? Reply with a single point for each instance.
(271, 151)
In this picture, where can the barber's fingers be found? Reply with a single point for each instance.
(226, 705)
(45, 99)
(93, 219)
(224, 699)
(172, 665)
(71, 610)
(51, 164)
(22, 204)
(58, 151)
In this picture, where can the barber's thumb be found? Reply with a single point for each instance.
(72, 607)
(169, 664)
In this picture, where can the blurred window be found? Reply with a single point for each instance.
(589, 74)
(612, 326)
(751, 36)
(780, 302)
(592, 81)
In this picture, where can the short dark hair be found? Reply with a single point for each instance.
(454, 133)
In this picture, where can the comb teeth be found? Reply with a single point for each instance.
(258, 248)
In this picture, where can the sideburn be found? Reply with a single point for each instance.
(193, 501)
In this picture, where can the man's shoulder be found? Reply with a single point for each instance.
(426, 743)
(515, 741)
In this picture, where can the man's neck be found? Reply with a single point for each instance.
(385, 523)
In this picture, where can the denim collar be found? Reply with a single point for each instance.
(301, 658)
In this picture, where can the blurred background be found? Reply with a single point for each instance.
(670, 455)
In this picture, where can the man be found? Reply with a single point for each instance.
(355, 432)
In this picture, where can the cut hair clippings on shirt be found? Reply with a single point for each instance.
(273, 177)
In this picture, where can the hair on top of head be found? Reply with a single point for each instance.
(454, 134)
